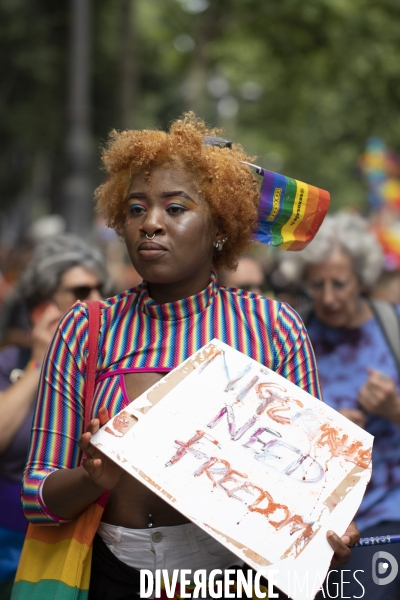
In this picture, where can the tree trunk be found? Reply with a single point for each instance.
(78, 187)
(129, 65)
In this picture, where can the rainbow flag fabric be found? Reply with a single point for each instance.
(56, 561)
(290, 211)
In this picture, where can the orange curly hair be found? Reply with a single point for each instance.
(229, 187)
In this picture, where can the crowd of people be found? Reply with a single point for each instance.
(63, 270)
(160, 197)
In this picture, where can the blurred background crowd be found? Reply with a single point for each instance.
(310, 88)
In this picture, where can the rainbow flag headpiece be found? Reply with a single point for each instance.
(290, 211)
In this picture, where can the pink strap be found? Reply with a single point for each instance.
(94, 328)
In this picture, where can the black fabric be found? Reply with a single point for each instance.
(341, 581)
(112, 579)
(6, 589)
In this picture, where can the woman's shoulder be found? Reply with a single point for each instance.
(128, 295)
(262, 305)
(246, 296)
(74, 325)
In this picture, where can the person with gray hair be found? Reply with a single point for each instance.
(347, 231)
(40, 282)
(359, 368)
(64, 269)
(52, 259)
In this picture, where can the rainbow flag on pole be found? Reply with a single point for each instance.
(290, 211)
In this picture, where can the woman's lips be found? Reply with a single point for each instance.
(151, 250)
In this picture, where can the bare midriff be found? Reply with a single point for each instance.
(130, 503)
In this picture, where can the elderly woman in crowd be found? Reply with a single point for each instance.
(64, 269)
(183, 206)
(358, 368)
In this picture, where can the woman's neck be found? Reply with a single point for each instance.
(163, 293)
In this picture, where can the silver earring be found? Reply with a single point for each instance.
(152, 237)
(220, 244)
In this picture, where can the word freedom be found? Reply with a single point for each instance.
(219, 584)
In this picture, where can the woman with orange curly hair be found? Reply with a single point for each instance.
(183, 206)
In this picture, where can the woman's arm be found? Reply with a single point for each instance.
(58, 422)
(17, 400)
(294, 355)
(68, 492)
(15, 403)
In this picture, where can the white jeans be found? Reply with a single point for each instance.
(179, 547)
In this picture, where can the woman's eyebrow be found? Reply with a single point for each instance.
(178, 193)
(136, 195)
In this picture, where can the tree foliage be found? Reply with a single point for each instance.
(300, 84)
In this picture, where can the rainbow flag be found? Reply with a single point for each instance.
(290, 211)
(381, 169)
(56, 560)
(389, 239)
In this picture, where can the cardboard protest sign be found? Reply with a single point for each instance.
(252, 459)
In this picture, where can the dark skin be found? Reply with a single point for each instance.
(176, 263)
(168, 206)
(118, 510)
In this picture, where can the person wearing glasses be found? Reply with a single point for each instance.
(63, 270)
(359, 370)
(184, 206)
(249, 276)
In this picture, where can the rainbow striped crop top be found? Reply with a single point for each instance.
(137, 334)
